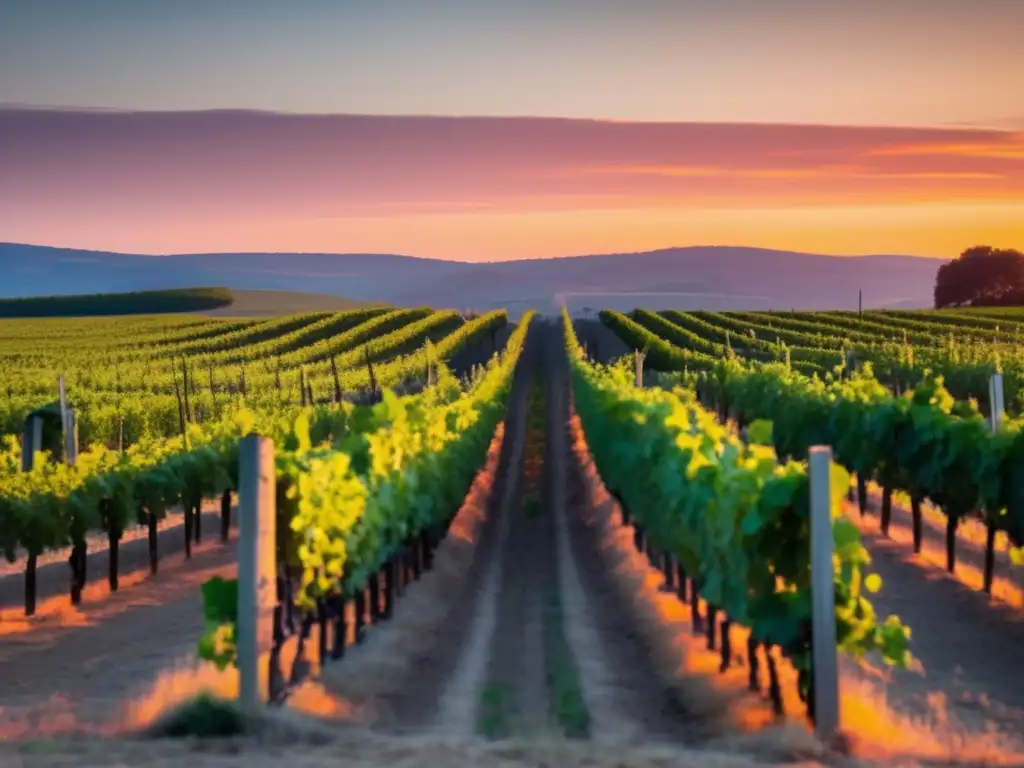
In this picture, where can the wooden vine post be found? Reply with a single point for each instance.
(184, 419)
(337, 380)
(824, 673)
(69, 431)
(372, 375)
(32, 441)
(185, 386)
(638, 365)
(257, 566)
(431, 370)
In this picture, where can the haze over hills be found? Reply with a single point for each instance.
(700, 277)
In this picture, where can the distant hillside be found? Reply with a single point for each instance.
(700, 277)
(257, 303)
(135, 303)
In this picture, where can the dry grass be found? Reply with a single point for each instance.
(305, 744)
(255, 303)
(878, 732)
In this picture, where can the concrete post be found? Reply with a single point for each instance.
(257, 565)
(995, 399)
(823, 608)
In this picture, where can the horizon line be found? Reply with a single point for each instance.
(979, 126)
(4, 243)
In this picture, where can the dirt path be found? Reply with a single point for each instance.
(537, 644)
(53, 575)
(541, 607)
(625, 695)
(514, 700)
(104, 653)
(353, 750)
(971, 682)
(969, 647)
(970, 547)
(439, 689)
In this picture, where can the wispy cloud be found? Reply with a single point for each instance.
(834, 172)
(1009, 146)
(141, 176)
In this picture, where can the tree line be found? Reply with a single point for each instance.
(136, 303)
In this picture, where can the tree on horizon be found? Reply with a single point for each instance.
(981, 276)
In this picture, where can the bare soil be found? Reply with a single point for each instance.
(968, 645)
(53, 574)
(354, 749)
(627, 697)
(104, 653)
(970, 545)
(514, 700)
(264, 303)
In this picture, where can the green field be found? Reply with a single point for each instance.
(901, 397)
(130, 378)
(252, 303)
(964, 347)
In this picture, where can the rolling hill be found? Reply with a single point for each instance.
(252, 303)
(705, 277)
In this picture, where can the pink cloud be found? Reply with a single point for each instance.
(85, 171)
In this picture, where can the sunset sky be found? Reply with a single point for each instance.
(881, 126)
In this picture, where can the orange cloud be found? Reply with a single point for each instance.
(822, 172)
(1008, 147)
(153, 182)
